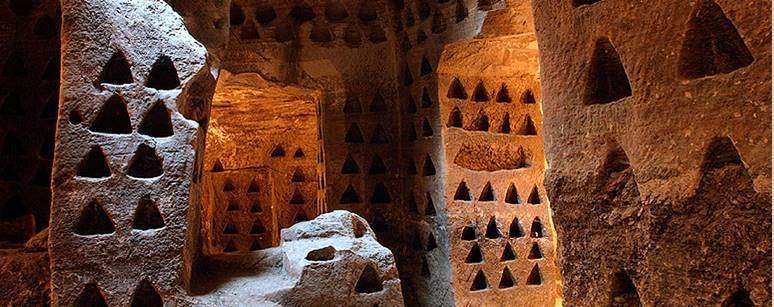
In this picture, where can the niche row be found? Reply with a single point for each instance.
(380, 195)
(488, 194)
(475, 256)
(353, 106)
(537, 231)
(355, 136)
(607, 80)
(233, 205)
(95, 220)
(414, 206)
(256, 228)
(378, 167)
(481, 93)
(162, 76)
(507, 281)
(145, 294)
(113, 118)
(144, 164)
(421, 242)
(481, 122)
(321, 32)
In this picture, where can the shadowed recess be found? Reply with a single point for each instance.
(350, 196)
(534, 252)
(145, 295)
(712, 44)
(381, 194)
(163, 74)
(94, 164)
(369, 280)
(354, 135)
(507, 280)
(480, 93)
(147, 215)
(350, 166)
(113, 118)
(429, 205)
(479, 282)
(492, 231)
(93, 220)
(463, 192)
(469, 233)
(377, 166)
(535, 278)
(623, 292)
(508, 253)
(157, 122)
(91, 297)
(740, 298)
(515, 231)
(607, 80)
(536, 230)
(457, 90)
(145, 163)
(487, 194)
(475, 255)
(116, 71)
(455, 118)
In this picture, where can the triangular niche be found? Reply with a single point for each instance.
(145, 163)
(94, 164)
(112, 117)
(607, 80)
(369, 280)
(145, 295)
(147, 215)
(117, 70)
(163, 74)
(157, 122)
(93, 220)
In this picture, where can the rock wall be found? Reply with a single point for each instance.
(263, 169)
(124, 212)
(29, 97)
(657, 121)
(502, 238)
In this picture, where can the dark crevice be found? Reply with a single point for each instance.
(145, 163)
(607, 80)
(147, 215)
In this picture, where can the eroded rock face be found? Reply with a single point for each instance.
(659, 146)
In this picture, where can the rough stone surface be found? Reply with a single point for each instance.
(660, 177)
(25, 278)
(262, 163)
(502, 237)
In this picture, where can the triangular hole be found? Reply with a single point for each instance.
(487, 194)
(455, 118)
(299, 153)
(537, 229)
(236, 15)
(426, 67)
(411, 166)
(479, 282)
(145, 295)
(163, 75)
(505, 127)
(94, 220)
(350, 166)
(369, 280)
(379, 136)
(233, 205)
(469, 233)
(427, 129)
(349, 196)
(254, 187)
(91, 296)
(429, 205)
(377, 166)
(145, 163)
(378, 104)
(457, 90)
(607, 80)
(230, 229)
(740, 298)
(298, 176)
(352, 106)
(515, 231)
(411, 107)
(255, 207)
(257, 227)
(228, 186)
(217, 167)
(712, 44)
(381, 194)
(411, 132)
(534, 196)
(265, 14)
(230, 247)
(354, 135)
(256, 245)
(426, 100)
(297, 198)
(157, 122)
(367, 11)
(75, 117)
(278, 151)
(535, 278)
(117, 70)
(429, 167)
(480, 123)
(147, 215)
(508, 253)
(300, 216)
(507, 281)
(475, 255)
(94, 164)
(503, 95)
(408, 79)
(480, 93)
(527, 97)
(534, 252)
(462, 193)
(113, 117)
(512, 195)
(492, 231)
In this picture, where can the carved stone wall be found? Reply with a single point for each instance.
(658, 140)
